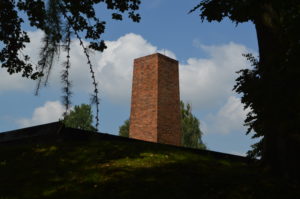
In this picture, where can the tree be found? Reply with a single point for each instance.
(60, 20)
(124, 129)
(191, 133)
(271, 89)
(56, 18)
(80, 118)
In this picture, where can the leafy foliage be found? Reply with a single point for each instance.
(191, 133)
(237, 10)
(14, 39)
(247, 83)
(55, 18)
(59, 20)
(271, 88)
(124, 129)
(81, 118)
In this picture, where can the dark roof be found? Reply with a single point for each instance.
(50, 132)
(57, 131)
(30, 132)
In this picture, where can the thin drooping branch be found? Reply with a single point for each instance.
(47, 55)
(51, 42)
(65, 74)
(50, 16)
(95, 96)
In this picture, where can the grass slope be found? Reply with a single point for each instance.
(100, 168)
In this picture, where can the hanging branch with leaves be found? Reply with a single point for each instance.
(94, 97)
(65, 74)
(51, 17)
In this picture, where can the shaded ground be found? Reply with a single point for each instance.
(90, 167)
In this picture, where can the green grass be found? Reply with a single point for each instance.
(118, 169)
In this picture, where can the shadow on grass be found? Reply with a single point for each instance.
(116, 169)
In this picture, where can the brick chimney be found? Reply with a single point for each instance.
(155, 109)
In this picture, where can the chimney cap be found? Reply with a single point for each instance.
(159, 55)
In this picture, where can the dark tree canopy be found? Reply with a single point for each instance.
(59, 20)
(54, 18)
(271, 88)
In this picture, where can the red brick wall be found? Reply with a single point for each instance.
(143, 117)
(155, 113)
(169, 124)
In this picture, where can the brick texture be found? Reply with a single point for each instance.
(155, 110)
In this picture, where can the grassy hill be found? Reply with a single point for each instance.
(78, 164)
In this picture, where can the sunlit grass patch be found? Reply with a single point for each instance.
(45, 150)
(144, 160)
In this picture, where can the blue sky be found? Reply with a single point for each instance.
(208, 53)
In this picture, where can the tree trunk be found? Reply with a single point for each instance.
(278, 144)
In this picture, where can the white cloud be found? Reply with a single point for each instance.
(13, 82)
(113, 67)
(206, 83)
(50, 112)
(16, 82)
(228, 119)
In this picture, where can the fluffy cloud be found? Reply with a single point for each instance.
(203, 82)
(13, 82)
(16, 82)
(115, 65)
(50, 112)
(228, 119)
(206, 83)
